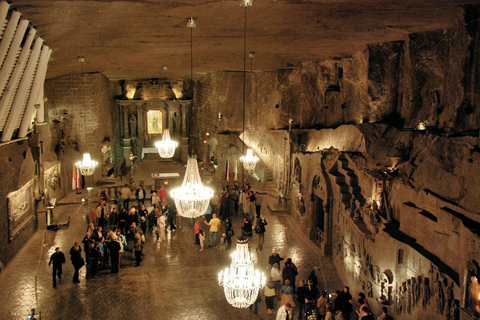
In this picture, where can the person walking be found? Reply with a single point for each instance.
(214, 225)
(77, 260)
(57, 259)
(258, 203)
(260, 230)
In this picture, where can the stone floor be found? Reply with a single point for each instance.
(175, 280)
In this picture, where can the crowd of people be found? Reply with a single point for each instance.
(126, 228)
(307, 300)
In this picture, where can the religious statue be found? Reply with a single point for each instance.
(132, 122)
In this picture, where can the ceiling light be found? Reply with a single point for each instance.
(192, 198)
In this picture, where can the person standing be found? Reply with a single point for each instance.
(160, 226)
(86, 245)
(113, 218)
(229, 232)
(126, 193)
(347, 302)
(115, 248)
(172, 216)
(77, 260)
(270, 295)
(94, 259)
(322, 306)
(301, 295)
(201, 237)
(260, 230)
(384, 315)
(162, 193)
(57, 259)
(284, 312)
(289, 272)
(258, 203)
(196, 227)
(122, 220)
(214, 225)
(143, 218)
(138, 246)
(101, 214)
(275, 259)
(140, 194)
(155, 200)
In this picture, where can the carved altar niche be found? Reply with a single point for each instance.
(143, 119)
(21, 209)
(52, 181)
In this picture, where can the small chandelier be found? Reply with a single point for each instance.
(192, 198)
(166, 147)
(249, 161)
(87, 165)
(241, 282)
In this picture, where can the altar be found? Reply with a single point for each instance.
(159, 179)
(148, 150)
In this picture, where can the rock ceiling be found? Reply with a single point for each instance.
(135, 38)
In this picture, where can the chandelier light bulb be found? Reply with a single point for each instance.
(246, 3)
(166, 147)
(191, 23)
(249, 160)
(241, 282)
(87, 165)
(192, 198)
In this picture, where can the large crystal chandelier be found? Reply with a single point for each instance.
(192, 198)
(87, 165)
(241, 282)
(249, 161)
(166, 147)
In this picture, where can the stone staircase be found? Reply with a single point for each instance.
(347, 181)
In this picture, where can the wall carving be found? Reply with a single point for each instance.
(52, 178)
(20, 209)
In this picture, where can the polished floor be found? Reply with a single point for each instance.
(175, 280)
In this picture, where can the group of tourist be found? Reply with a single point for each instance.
(126, 232)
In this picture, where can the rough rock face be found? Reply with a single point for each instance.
(382, 164)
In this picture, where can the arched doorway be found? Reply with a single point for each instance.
(318, 214)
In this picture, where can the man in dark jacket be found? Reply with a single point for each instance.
(289, 272)
(114, 248)
(94, 259)
(57, 259)
(260, 230)
(140, 194)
